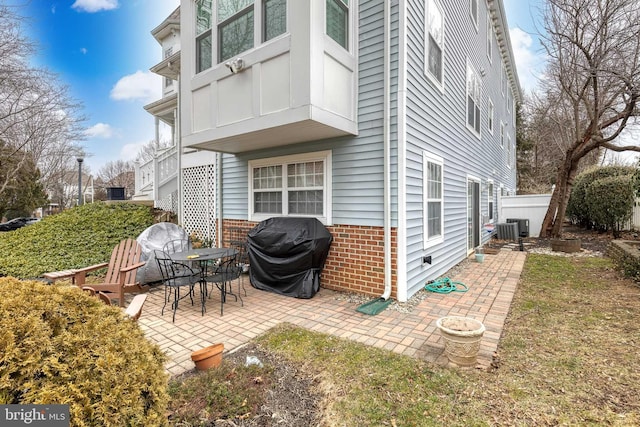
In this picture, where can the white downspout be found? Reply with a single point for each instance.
(401, 275)
(387, 150)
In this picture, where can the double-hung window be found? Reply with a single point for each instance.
(490, 198)
(509, 152)
(203, 35)
(503, 82)
(235, 27)
(291, 185)
(502, 134)
(337, 21)
(473, 9)
(489, 37)
(274, 18)
(433, 199)
(490, 114)
(434, 42)
(473, 100)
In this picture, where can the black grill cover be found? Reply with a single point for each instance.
(287, 255)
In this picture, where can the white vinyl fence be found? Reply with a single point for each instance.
(534, 207)
(531, 206)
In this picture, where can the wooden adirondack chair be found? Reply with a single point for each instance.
(121, 272)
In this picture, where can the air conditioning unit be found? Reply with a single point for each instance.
(507, 231)
(523, 226)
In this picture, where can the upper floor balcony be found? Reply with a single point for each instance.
(264, 73)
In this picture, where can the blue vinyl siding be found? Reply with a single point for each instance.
(436, 123)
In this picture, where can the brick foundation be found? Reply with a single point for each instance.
(356, 258)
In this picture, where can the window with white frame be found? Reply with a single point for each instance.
(473, 9)
(490, 117)
(235, 27)
(337, 21)
(504, 80)
(489, 37)
(203, 35)
(433, 199)
(274, 18)
(502, 134)
(292, 185)
(490, 199)
(434, 42)
(509, 151)
(473, 99)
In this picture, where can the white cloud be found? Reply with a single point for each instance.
(144, 86)
(100, 130)
(94, 5)
(530, 64)
(83, 50)
(130, 151)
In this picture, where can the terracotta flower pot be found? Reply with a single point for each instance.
(208, 357)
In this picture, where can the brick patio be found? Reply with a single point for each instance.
(491, 288)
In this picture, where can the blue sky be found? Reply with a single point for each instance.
(103, 49)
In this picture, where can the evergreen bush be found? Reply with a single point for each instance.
(75, 238)
(611, 201)
(579, 206)
(59, 345)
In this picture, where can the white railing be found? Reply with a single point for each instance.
(166, 165)
(144, 176)
(153, 174)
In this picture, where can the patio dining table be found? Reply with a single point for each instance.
(203, 256)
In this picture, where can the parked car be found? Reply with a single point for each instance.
(16, 223)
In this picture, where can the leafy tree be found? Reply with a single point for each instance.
(592, 87)
(23, 190)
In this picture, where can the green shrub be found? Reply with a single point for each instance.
(611, 202)
(78, 237)
(579, 208)
(59, 345)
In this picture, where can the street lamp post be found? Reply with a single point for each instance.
(80, 159)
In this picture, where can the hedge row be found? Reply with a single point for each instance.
(74, 238)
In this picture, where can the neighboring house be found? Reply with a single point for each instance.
(393, 123)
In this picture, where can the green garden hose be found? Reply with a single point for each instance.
(445, 286)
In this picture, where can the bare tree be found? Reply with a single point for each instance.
(592, 87)
(38, 120)
(150, 149)
(118, 174)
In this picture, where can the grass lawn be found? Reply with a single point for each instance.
(569, 355)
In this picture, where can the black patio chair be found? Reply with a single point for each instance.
(222, 276)
(176, 275)
(177, 245)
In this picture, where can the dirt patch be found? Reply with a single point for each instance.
(292, 399)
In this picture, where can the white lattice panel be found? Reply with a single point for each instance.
(169, 203)
(199, 205)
